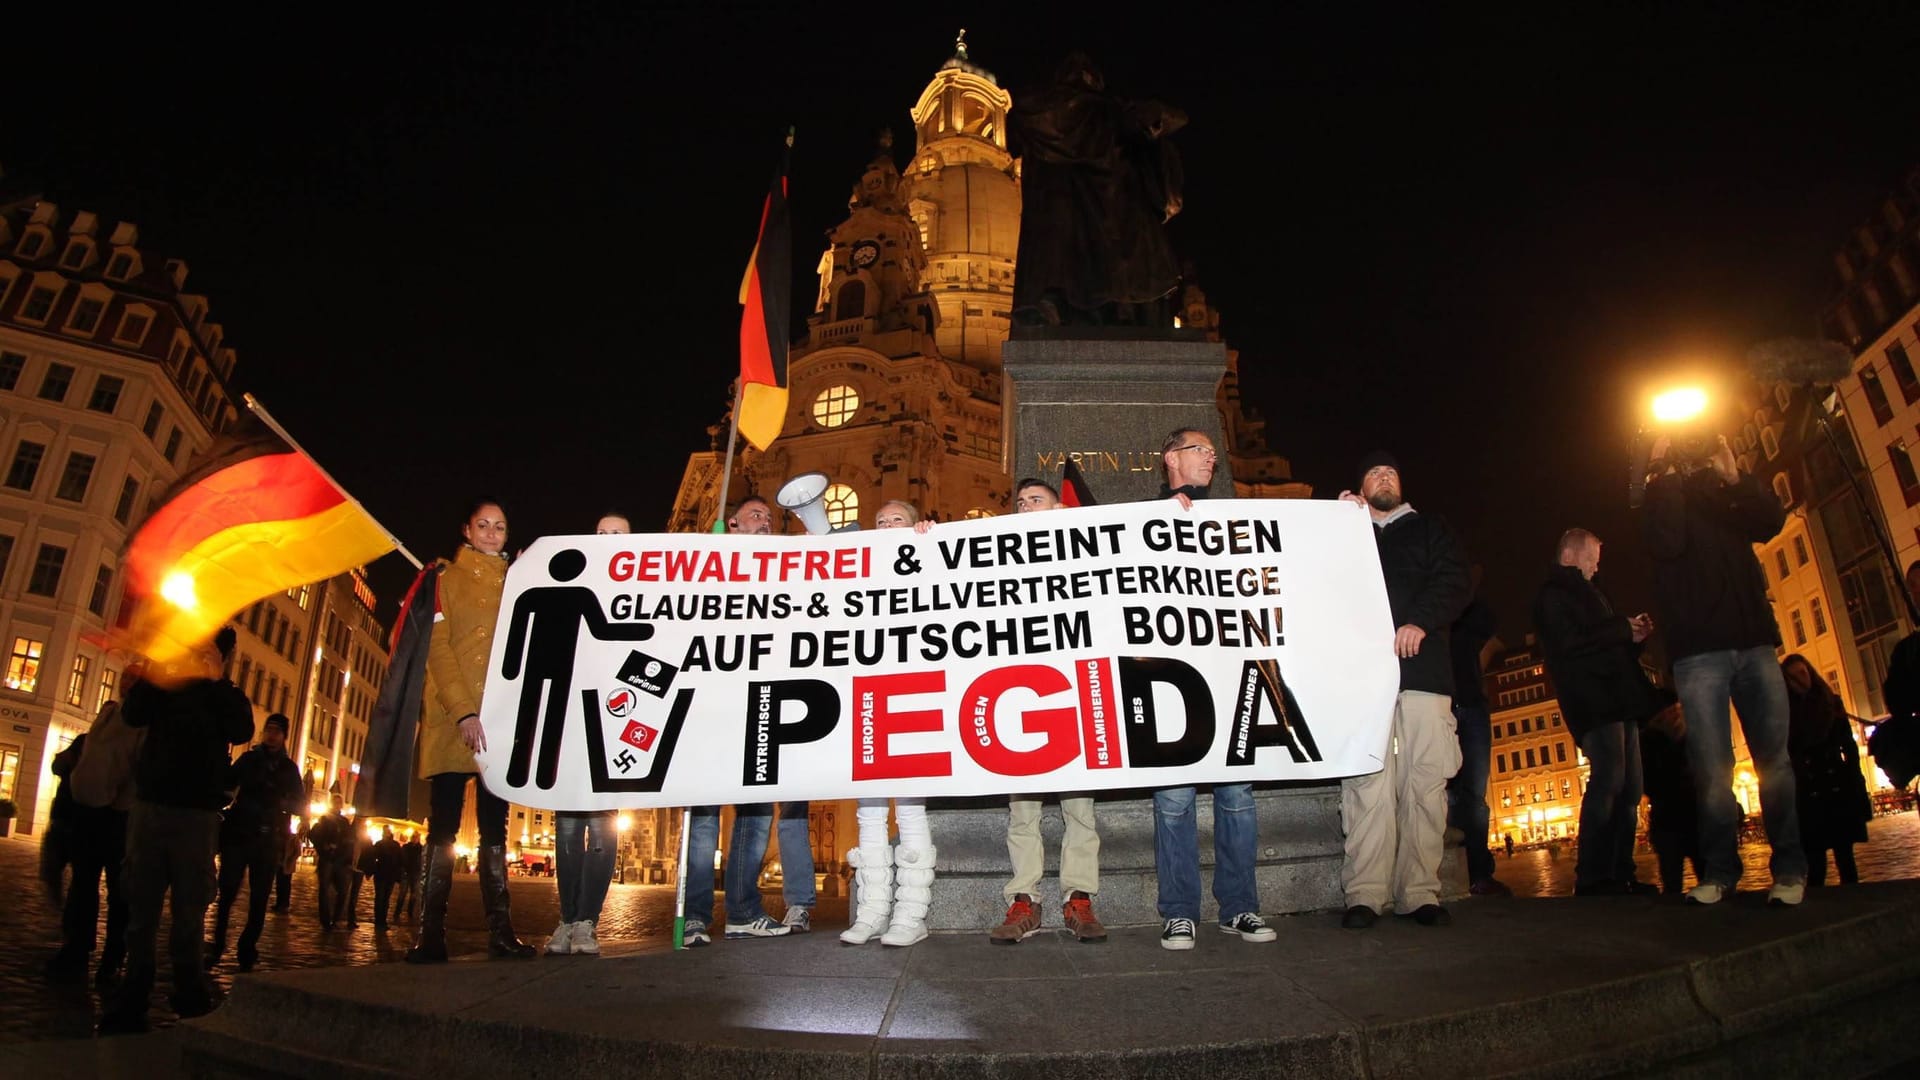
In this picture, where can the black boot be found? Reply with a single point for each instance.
(493, 894)
(430, 946)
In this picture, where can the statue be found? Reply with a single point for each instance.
(1098, 183)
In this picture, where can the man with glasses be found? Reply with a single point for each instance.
(1188, 458)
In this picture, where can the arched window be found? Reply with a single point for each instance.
(852, 301)
(835, 406)
(843, 505)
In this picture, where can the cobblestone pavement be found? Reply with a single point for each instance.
(1892, 851)
(32, 1008)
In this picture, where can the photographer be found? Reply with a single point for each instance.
(1702, 517)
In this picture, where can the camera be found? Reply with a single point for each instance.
(1690, 447)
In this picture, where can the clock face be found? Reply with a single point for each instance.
(864, 254)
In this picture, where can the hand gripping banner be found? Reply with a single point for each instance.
(1127, 646)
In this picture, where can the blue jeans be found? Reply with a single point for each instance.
(703, 836)
(1176, 851)
(1467, 791)
(751, 826)
(1751, 677)
(585, 845)
(1610, 810)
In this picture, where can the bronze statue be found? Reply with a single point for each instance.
(1098, 183)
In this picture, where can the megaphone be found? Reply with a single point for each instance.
(803, 495)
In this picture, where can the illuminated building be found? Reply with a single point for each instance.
(895, 393)
(112, 378)
(1538, 774)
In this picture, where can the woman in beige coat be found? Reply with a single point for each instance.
(450, 735)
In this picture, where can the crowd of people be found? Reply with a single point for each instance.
(151, 801)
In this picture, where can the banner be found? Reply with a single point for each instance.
(1125, 646)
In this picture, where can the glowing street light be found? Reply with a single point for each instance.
(1677, 406)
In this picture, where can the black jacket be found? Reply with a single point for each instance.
(1700, 532)
(1428, 586)
(1591, 654)
(184, 761)
(267, 788)
(1468, 635)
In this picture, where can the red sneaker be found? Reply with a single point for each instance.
(1023, 921)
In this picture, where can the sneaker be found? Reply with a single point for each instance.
(1077, 912)
(1022, 922)
(1707, 893)
(584, 943)
(561, 943)
(1177, 935)
(798, 920)
(1359, 917)
(1432, 915)
(1489, 887)
(695, 935)
(1250, 927)
(764, 926)
(1787, 893)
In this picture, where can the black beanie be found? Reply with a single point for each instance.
(1375, 460)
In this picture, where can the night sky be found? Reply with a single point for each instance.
(481, 251)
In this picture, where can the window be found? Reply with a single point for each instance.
(11, 365)
(1876, 395)
(106, 393)
(1560, 752)
(32, 243)
(1503, 762)
(76, 254)
(6, 554)
(1799, 628)
(47, 567)
(835, 406)
(102, 588)
(176, 354)
(1556, 719)
(1819, 616)
(53, 387)
(1903, 472)
(1526, 725)
(1511, 729)
(77, 681)
(1903, 372)
(75, 477)
(23, 666)
(1780, 563)
(1783, 489)
(123, 509)
(1530, 761)
(852, 301)
(1800, 549)
(86, 315)
(173, 444)
(120, 266)
(39, 304)
(133, 329)
(26, 465)
(842, 505)
(109, 686)
(152, 425)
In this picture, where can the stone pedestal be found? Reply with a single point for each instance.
(1106, 398)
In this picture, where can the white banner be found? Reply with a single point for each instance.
(1128, 646)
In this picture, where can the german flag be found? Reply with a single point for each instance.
(253, 518)
(1073, 487)
(767, 296)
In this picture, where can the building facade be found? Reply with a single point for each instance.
(1537, 775)
(112, 379)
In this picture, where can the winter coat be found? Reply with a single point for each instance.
(1428, 586)
(1591, 654)
(457, 658)
(1829, 791)
(1700, 532)
(184, 760)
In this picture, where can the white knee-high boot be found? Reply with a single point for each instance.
(873, 875)
(913, 876)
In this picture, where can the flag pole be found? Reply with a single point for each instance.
(680, 888)
(259, 410)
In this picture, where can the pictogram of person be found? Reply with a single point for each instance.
(558, 611)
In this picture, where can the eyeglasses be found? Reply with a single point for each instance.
(1205, 451)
